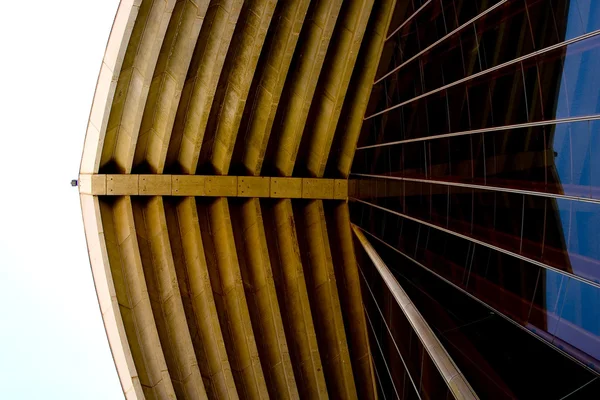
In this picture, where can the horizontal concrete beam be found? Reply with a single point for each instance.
(213, 186)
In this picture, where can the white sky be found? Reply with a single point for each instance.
(52, 341)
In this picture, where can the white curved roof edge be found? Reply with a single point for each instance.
(107, 84)
(90, 206)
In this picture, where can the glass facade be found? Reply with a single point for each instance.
(477, 178)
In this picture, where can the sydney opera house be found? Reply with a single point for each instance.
(359, 199)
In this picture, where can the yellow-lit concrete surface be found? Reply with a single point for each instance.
(213, 186)
(293, 296)
(302, 82)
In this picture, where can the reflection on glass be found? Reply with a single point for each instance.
(506, 154)
(542, 300)
(558, 159)
(579, 323)
(493, 354)
(401, 357)
(560, 233)
(557, 84)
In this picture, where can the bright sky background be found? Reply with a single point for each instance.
(52, 341)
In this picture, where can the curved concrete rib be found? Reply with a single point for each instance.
(110, 300)
(357, 98)
(292, 293)
(266, 319)
(333, 83)
(134, 83)
(324, 299)
(348, 284)
(234, 85)
(135, 304)
(167, 84)
(267, 85)
(107, 84)
(165, 297)
(201, 84)
(198, 300)
(456, 381)
(182, 297)
(228, 289)
(302, 82)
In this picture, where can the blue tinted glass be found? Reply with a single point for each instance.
(579, 323)
(572, 159)
(580, 153)
(581, 228)
(562, 153)
(594, 127)
(589, 12)
(580, 84)
(575, 26)
(547, 301)
(584, 244)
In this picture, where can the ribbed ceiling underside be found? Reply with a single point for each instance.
(228, 297)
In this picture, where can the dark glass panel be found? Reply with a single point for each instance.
(361, 163)
(440, 205)
(422, 30)
(408, 241)
(438, 160)
(466, 10)
(434, 22)
(534, 225)
(531, 296)
(553, 158)
(568, 18)
(433, 386)
(413, 156)
(516, 158)
(507, 284)
(533, 104)
(460, 210)
(480, 102)
(403, 336)
(484, 215)
(578, 84)
(514, 29)
(557, 84)
(461, 159)
(437, 113)
(417, 200)
(587, 391)
(556, 159)
(558, 232)
(395, 358)
(580, 223)
(398, 346)
(458, 109)
(489, 349)
(547, 302)
(410, 393)
(383, 374)
(584, 243)
(403, 11)
(582, 84)
(570, 159)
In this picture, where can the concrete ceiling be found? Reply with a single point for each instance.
(211, 283)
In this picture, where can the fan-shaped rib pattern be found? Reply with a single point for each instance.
(254, 295)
